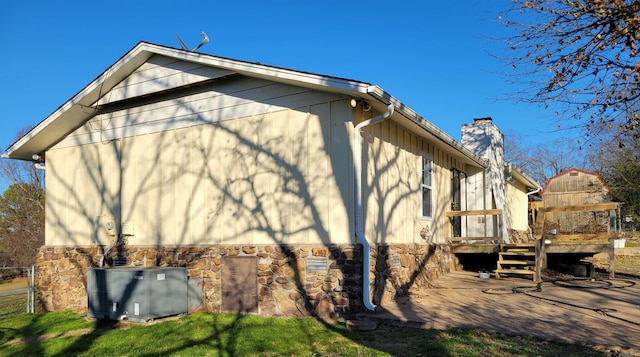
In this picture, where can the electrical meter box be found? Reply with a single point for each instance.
(137, 294)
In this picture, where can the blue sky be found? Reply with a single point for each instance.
(434, 56)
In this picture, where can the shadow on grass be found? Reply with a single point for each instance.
(249, 335)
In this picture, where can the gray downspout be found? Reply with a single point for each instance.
(357, 162)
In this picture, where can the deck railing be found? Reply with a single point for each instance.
(538, 230)
(577, 243)
(489, 222)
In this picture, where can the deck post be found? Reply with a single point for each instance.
(540, 259)
(612, 257)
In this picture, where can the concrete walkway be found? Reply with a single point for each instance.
(593, 312)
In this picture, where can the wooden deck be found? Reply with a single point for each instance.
(541, 251)
(472, 248)
(508, 256)
(583, 249)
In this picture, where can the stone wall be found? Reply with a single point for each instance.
(292, 280)
(397, 269)
(516, 236)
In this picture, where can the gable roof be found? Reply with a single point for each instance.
(73, 113)
(574, 170)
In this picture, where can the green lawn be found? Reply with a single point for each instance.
(206, 334)
(12, 305)
(13, 285)
(632, 243)
(627, 265)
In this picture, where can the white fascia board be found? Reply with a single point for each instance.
(414, 117)
(524, 178)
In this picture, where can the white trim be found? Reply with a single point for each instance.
(422, 186)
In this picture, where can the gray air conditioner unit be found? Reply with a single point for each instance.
(136, 294)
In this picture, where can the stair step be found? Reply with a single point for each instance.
(518, 245)
(525, 254)
(515, 271)
(517, 262)
(515, 259)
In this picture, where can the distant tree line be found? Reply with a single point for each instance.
(617, 161)
(21, 212)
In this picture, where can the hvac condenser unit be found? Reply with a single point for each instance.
(137, 294)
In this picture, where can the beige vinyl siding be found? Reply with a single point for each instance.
(158, 74)
(516, 206)
(225, 100)
(82, 186)
(392, 189)
(240, 160)
(281, 177)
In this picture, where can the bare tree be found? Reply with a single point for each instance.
(619, 164)
(543, 160)
(581, 56)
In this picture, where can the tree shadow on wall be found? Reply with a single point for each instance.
(285, 177)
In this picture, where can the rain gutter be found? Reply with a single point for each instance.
(357, 159)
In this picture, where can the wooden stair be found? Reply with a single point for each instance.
(519, 259)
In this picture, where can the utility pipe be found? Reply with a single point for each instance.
(106, 252)
(357, 162)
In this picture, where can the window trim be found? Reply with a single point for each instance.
(425, 157)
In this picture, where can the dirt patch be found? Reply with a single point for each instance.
(50, 336)
(103, 327)
(627, 264)
(593, 313)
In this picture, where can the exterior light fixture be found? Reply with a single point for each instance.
(365, 106)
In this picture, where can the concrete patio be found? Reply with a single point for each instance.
(584, 311)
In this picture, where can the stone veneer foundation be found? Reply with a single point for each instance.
(288, 284)
(516, 236)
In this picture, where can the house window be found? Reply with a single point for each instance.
(425, 187)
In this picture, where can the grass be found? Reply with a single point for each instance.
(206, 334)
(11, 305)
(13, 285)
(627, 265)
(632, 243)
